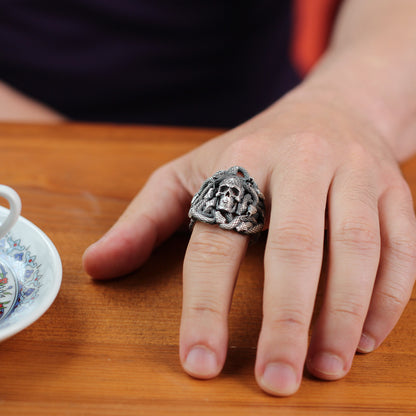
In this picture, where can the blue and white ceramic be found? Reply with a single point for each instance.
(30, 275)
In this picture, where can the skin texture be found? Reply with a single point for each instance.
(327, 157)
(319, 162)
(328, 152)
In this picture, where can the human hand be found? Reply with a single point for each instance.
(319, 167)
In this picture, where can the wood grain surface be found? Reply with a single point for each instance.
(112, 348)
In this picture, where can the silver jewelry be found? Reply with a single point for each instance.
(231, 199)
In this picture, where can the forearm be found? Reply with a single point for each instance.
(15, 106)
(371, 64)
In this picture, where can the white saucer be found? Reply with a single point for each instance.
(30, 276)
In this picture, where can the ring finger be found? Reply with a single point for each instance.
(354, 252)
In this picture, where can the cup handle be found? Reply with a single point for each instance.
(15, 204)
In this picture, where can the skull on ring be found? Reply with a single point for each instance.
(230, 194)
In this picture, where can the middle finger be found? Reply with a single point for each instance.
(293, 261)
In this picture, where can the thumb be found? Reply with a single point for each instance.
(153, 215)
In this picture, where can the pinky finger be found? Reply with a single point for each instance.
(397, 269)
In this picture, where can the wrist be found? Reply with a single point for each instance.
(371, 91)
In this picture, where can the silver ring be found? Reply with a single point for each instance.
(231, 199)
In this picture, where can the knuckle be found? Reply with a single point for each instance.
(358, 235)
(161, 173)
(168, 178)
(401, 186)
(349, 309)
(294, 238)
(361, 193)
(206, 308)
(208, 251)
(210, 246)
(304, 149)
(360, 156)
(309, 142)
(205, 302)
(393, 299)
(249, 147)
(403, 250)
(291, 319)
(357, 150)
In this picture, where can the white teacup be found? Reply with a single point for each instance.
(15, 207)
(8, 283)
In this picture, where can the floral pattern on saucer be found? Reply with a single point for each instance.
(20, 278)
(8, 292)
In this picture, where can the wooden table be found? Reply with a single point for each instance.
(112, 348)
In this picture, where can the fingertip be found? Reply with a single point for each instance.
(327, 366)
(121, 251)
(201, 362)
(279, 379)
(367, 344)
(91, 262)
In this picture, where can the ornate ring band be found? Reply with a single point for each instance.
(231, 199)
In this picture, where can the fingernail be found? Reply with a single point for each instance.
(366, 344)
(201, 362)
(327, 364)
(279, 379)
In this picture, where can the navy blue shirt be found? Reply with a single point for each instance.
(189, 62)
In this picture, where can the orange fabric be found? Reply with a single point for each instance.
(312, 26)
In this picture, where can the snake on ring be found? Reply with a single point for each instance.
(231, 199)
